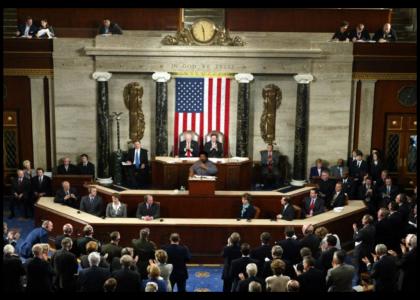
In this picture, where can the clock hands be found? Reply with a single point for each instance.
(204, 34)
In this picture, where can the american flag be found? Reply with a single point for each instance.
(202, 105)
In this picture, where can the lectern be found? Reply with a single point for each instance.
(202, 186)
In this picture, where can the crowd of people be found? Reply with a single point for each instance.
(361, 34)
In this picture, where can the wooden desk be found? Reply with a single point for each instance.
(204, 237)
(172, 173)
(224, 204)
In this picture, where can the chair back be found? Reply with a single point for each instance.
(257, 212)
(220, 137)
(194, 136)
(298, 211)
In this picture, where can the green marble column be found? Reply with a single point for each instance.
(161, 116)
(242, 130)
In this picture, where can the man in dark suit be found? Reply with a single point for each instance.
(385, 34)
(311, 280)
(263, 251)
(67, 232)
(359, 34)
(309, 239)
(92, 279)
(188, 147)
(270, 165)
(324, 262)
(239, 265)
(21, 189)
(348, 186)
(148, 210)
(387, 192)
(247, 210)
(27, 30)
(365, 242)
(383, 228)
(290, 245)
(213, 147)
(338, 198)
(339, 169)
(13, 271)
(384, 270)
(326, 188)
(316, 171)
(396, 222)
(67, 195)
(367, 193)
(39, 273)
(341, 34)
(67, 168)
(127, 279)
(288, 212)
(86, 238)
(145, 250)
(358, 168)
(109, 28)
(313, 204)
(408, 264)
(251, 272)
(65, 266)
(138, 164)
(178, 256)
(92, 203)
(85, 166)
(37, 235)
(41, 185)
(112, 249)
(230, 252)
(340, 276)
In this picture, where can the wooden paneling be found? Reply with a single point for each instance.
(303, 19)
(27, 53)
(386, 102)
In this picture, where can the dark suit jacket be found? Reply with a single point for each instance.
(358, 172)
(314, 172)
(327, 188)
(390, 37)
(229, 253)
(39, 274)
(288, 213)
(60, 194)
(72, 170)
(312, 281)
(128, 280)
(24, 187)
(96, 208)
(364, 35)
(88, 170)
(290, 250)
(260, 254)
(214, 153)
(65, 266)
(324, 262)
(375, 171)
(43, 187)
(112, 250)
(178, 256)
(153, 211)
(384, 271)
(12, 271)
(32, 30)
(341, 36)
(396, 233)
(58, 240)
(393, 193)
(382, 231)
(248, 214)
(319, 206)
(363, 196)
(349, 188)
(194, 148)
(243, 285)
(312, 242)
(275, 158)
(239, 266)
(84, 262)
(408, 266)
(366, 235)
(92, 279)
(339, 201)
(145, 250)
(113, 28)
(81, 245)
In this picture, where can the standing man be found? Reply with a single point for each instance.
(213, 147)
(364, 242)
(137, 159)
(21, 188)
(270, 165)
(188, 147)
(92, 203)
(36, 236)
(67, 168)
(203, 167)
(85, 166)
(41, 184)
(109, 28)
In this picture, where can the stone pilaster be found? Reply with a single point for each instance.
(161, 116)
(242, 135)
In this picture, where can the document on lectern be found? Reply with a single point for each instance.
(202, 177)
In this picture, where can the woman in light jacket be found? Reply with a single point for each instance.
(165, 269)
(116, 209)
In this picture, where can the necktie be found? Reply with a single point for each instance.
(148, 207)
(312, 205)
(388, 189)
(27, 30)
(341, 172)
(40, 179)
(358, 164)
(270, 161)
(188, 150)
(137, 159)
(67, 168)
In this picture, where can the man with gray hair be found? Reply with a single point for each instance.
(82, 241)
(145, 250)
(148, 210)
(37, 235)
(407, 264)
(384, 270)
(251, 271)
(39, 272)
(67, 232)
(12, 270)
(65, 266)
(293, 286)
(255, 287)
(276, 253)
(92, 279)
(128, 280)
(151, 287)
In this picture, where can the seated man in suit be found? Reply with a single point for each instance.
(270, 165)
(148, 210)
(247, 210)
(387, 192)
(85, 166)
(339, 169)
(203, 167)
(67, 168)
(27, 30)
(313, 204)
(21, 188)
(66, 195)
(213, 147)
(288, 212)
(92, 203)
(41, 185)
(326, 187)
(317, 169)
(116, 209)
(342, 35)
(109, 28)
(359, 34)
(339, 197)
(138, 164)
(385, 34)
(188, 147)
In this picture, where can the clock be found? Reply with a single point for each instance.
(407, 96)
(203, 30)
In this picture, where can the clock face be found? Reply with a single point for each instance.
(407, 96)
(203, 30)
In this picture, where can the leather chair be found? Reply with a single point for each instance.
(298, 211)
(257, 212)
(220, 138)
